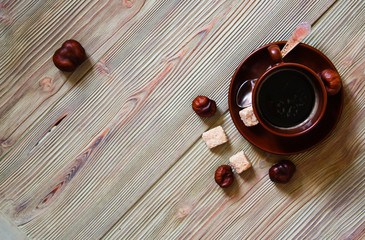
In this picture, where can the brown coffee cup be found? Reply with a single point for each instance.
(289, 99)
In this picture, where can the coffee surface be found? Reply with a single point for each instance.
(286, 98)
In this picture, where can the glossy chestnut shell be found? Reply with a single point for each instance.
(282, 171)
(224, 176)
(69, 56)
(204, 107)
(332, 81)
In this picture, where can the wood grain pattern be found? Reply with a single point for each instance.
(114, 150)
(30, 84)
(321, 202)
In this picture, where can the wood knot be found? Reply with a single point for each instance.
(46, 84)
(5, 14)
(184, 210)
(6, 143)
(102, 67)
(129, 3)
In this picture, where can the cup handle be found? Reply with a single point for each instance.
(275, 54)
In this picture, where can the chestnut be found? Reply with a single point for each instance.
(331, 80)
(69, 56)
(224, 176)
(204, 107)
(282, 171)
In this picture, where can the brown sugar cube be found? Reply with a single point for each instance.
(248, 117)
(240, 162)
(215, 137)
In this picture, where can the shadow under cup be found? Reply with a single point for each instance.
(289, 99)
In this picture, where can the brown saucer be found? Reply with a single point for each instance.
(253, 67)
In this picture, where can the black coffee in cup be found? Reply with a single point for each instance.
(286, 98)
(289, 99)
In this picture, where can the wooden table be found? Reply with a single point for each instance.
(114, 150)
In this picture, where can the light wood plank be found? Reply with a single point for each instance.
(30, 84)
(12, 12)
(8, 231)
(126, 121)
(324, 200)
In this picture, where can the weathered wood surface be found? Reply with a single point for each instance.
(9, 230)
(30, 32)
(127, 161)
